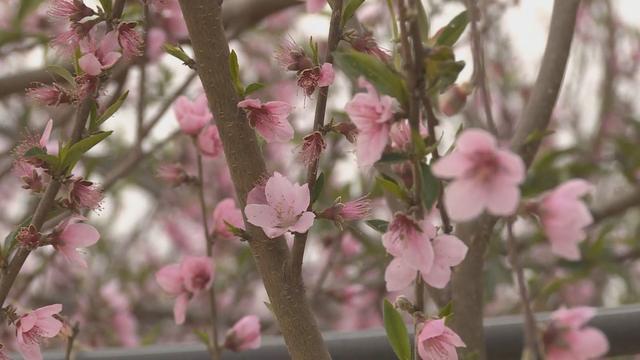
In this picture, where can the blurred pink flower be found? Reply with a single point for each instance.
(226, 211)
(155, 43)
(372, 115)
(172, 174)
(49, 95)
(436, 341)
(409, 239)
(453, 99)
(285, 208)
(567, 337)
(485, 177)
(192, 115)
(581, 292)
(564, 216)
(315, 5)
(244, 335)
(209, 141)
(269, 119)
(83, 194)
(99, 56)
(350, 246)
(33, 327)
(125, 327)
(185, 280)
(171, 18)
(70, 235)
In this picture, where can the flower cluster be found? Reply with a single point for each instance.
(417, 247)
(185, 280)
(310, 76)
(194, 118)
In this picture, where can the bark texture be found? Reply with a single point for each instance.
(247, 167)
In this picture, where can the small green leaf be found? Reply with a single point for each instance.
(93, 117)
(111, 110)
(72, 154)
(41, 154)
(396, 331)
(392, 186)
(430, 186)
(202, 335)
(378, 225)
(450, 34)
(393, 157)
(349, 10)
(383, 78)
(253, 87)
(241, 233)
(178, 52)
(446, 311)
(106, 7)
(317, 188)
(234, 67)
(62, 72)
(423, 22)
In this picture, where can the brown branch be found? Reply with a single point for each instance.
(300, 240)
(468, 280)
(617, 206)
(247, 167)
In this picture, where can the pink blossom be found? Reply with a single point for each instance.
(171, 18)
(285, 208)
(291, 56)
(567, 337)
(74, 10)
(485, 177)
(130, 40)
(312, 146)
(33, 327)
(244, 335)
(417, 248)
(172, 174)
(453, 99)
(83, 194)
(156, 39)
(97, 57)
(564, 217)
(67, 41)
(3, 355)
(436, 341)
(226, 211)
(50, 95)
(70, 235)
(315, 5)
(372, 115)
(350, 246)
(193, 275)
(46, 134)
(192, 115)
(125, 327)
(317, 76)
(209, 141)
(269, 119)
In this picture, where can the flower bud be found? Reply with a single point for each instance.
(244, 335)
(454, 99)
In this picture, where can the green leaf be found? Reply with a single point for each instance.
(72, 154)
(234, 67)
(423, 22)
(349, 10)
(394, 157)
(62, 72)
(450, 34)
(202, 335)
(378, 225)
(111, 110)
(93, 117)
(317, 188)
(41, 154)
(392, 186)
(241, 233)
(396, 331)
(253, 87)
(383, 78)
(446, 311)
(106, 6)
(430, 186)
(178, 52)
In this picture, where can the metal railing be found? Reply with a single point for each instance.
(503, 336)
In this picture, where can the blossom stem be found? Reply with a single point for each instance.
(74, 333)
(335, 33)
(530, 330)
(142, 84)
(214, 346)
(44, 206)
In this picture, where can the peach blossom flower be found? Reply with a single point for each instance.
(485, 177)
(226, 211)
(244, 335)
(269, 119)
(437, 342)
(99, 56)
(567, 337)
(192, 115)
(285, 208)
(70, 235)
(33, 327)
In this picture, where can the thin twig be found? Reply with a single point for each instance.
(74, 334)
(300, 240)
(530, 330)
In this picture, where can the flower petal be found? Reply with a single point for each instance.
(398, 275)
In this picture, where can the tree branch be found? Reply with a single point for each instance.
(247, 167)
